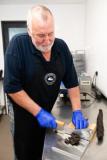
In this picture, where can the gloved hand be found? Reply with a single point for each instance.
(46, 119)
(78, 120)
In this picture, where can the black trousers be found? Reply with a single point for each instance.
(28, 137)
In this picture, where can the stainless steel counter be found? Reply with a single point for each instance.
(93, 151)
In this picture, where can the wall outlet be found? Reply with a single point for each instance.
(96, 73)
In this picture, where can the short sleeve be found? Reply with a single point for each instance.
(70, 78)
(12, 70)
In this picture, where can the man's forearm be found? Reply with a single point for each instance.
(74, 95)
(23, 100)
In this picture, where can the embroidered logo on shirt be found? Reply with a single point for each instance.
(50, 78)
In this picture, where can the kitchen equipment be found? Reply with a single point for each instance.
(56, 148)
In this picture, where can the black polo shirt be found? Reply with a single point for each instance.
(26, 69)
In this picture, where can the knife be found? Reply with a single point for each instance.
(64, 128)
(86, 134)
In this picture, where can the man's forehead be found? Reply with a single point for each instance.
(42, 25)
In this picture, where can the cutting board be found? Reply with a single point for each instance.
(56, 148)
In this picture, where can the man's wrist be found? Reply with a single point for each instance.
(76, 109)
(36, 110)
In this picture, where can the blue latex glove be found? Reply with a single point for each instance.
(78, 120)
(46, 119)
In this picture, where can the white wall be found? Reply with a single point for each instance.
(96, 41)
(69, 21)
(81, 26)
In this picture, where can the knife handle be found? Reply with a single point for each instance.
(71, 125)
(60, 123)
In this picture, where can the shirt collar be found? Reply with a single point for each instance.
(55, 48)
(33, 48)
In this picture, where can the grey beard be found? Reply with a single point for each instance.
(44, 49)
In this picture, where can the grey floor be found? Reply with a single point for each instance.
(6, 143)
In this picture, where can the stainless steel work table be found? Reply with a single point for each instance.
(93, 151)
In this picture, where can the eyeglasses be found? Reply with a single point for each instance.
(43, 36)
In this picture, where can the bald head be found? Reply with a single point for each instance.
(38, 13)
(40, 24)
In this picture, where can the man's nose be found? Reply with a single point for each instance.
(47, 39)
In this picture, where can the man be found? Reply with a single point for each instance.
(35, 65)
